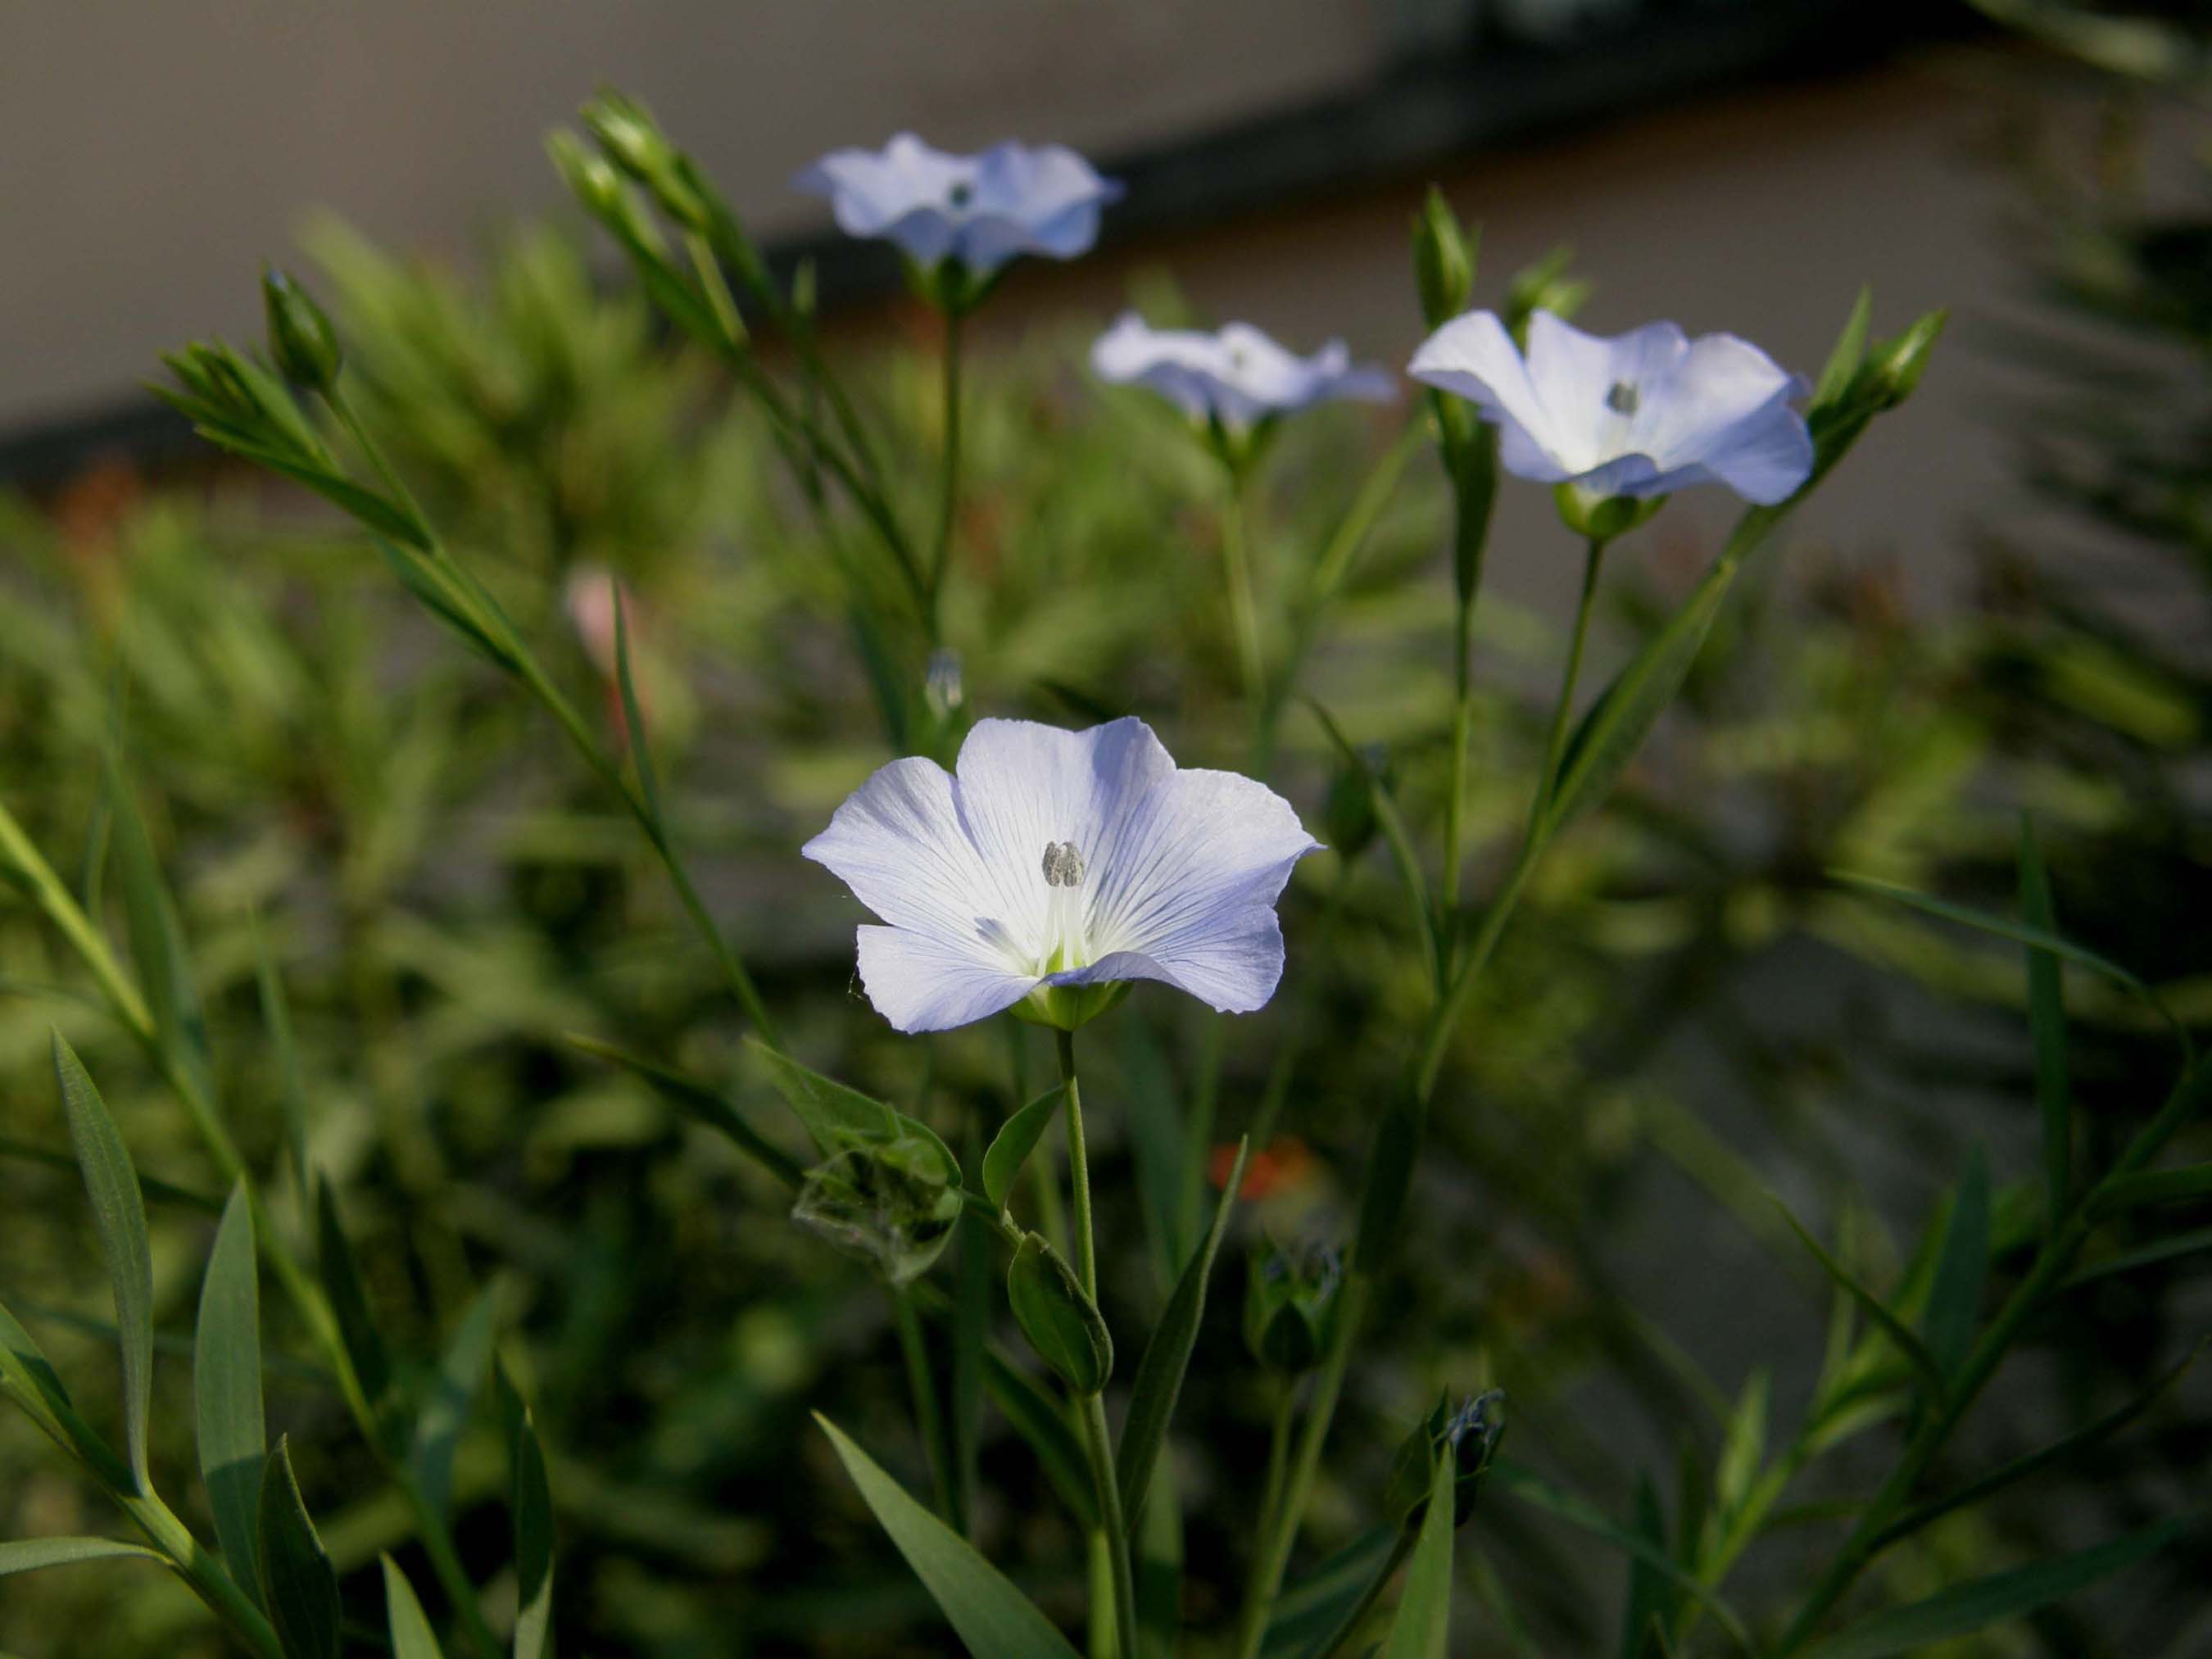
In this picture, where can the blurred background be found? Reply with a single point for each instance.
(2001, 602)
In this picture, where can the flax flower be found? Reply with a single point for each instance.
(1238, 376)
(1051, 868)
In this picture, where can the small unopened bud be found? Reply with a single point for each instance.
(1894, 368)
(301, 342)
(1544, 286)
(1290, 1304)
(941, 687)
(1060, 1322)
(1444, 268)
(1469, 1432)
(594, 182)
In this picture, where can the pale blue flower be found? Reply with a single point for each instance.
(1642, 414)
(1047, 861)
(980, 210)
(1239, 375)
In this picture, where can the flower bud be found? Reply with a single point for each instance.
(1444, 268)
(891, 1203)
(635, 143)
(941, 684)
(1290, 1303)
(1894, 368)
(1062, 1324)
(590, 180)
(301, 342)
(1470, 1432)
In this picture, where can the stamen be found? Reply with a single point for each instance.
(1065, 945)
(1624, 397)
(962, 194)
(1063, 864)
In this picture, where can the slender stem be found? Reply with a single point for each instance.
(1462, 725)
(1257, 1591)
(2052, 1264)
(1281, 1530)
(1097, 1440)
(203, 1573)
(926, 1410)
(1555, 745)
(949, 500)
(1245, 616)
(1078, 1162)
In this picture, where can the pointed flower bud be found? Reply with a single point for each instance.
(301, 342)
(891, 1203)
(1444, 268)
(1290, 1304)
(1470, 1432)
(1894, 370)
(1062, 1324)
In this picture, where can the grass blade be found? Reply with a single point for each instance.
(1422, 1626)
(233, 1445)
(348, 1295)
(992, 1618)
(532, 1511)
(1954, 1295)
(120, 1214)
(411, 1635)
(1895, 1330)
(296, 1571)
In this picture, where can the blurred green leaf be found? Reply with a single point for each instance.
(1422, 1626)
(296, 1576)
(838, 1117)
(445, 1413)
(2046, 1019)
(33, 1554)
(531, 1506)
(2034, 938)
(1062, 1324)
(2153, 1187)
(157, 944)
(1403, 856)
(120, 1214)
(233, 1445)
(702, 1103)
(411, 1635)
(1167, 1357)
(1651, 1598)
(1985, 1602)
(348, 1297)
(1872, 1306)
(1039, 1420)
(993, 1618)
(641, 749)
(1017, 1139)
(1849, 350)
(1954, 1296)
(291, 1093)
(28, 1379)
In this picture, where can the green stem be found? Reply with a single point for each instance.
(1097, 1440)
(1257, 1592)
(1280, 1531)
(949, 500)
(1556, 745)
(926, 1410)
(205, 1574)
(1078, 1167)
(1245, 616)
(1462, 727)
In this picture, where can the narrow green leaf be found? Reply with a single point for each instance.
(233, 1444)
(1616, 724)
(2153, 1187)
(157, 944)
(35, 1554)
(2046, 1019)
(1062, 1324)
(1969, 1608)
(974, 1244)
(1895, 1328)
(1849, 350)
(2148, 1256)
(28, 1379)
(702, 1104)
(452, 1393)
(2034, 1462)
(291, 1094)
(2019, 933)
(349, 1297)
(993, 1618)
(120, 1214)
(296, 1576)
(1039, 1419)
(1422, 1626)
(1167, 1357)
(1310, 1617)
(532, 1511)
(1954, 1296)
(154, 1189)
(411, 1635)
(633, 716)
(839, 1117)
(1017, 1139)
(1531, 1487)
(1650, 1593)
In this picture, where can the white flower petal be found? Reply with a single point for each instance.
(899, 844)
(1473, 357)
(920, 983)
(1720, 383)
(1193, 885)
(1765, 458)
(1241, 373)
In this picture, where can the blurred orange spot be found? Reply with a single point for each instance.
(1279, 1167)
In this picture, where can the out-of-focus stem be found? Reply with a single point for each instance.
(949, 498)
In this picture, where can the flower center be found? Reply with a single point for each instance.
(960, 194)
(1063, 946)
(1624, 397)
